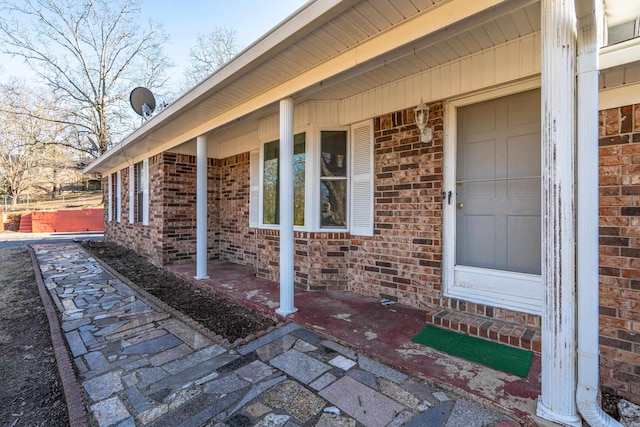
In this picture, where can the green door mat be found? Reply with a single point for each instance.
(497, 356)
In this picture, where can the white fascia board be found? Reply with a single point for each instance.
(619, 96)
(620, 54)
(442, 16)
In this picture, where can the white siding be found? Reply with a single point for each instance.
(307, 113)
(239, 144)
(510, 61)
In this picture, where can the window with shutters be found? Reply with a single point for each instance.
(333, 181)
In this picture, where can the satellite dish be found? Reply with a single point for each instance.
(142, 101)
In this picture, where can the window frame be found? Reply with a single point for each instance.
(313, 150)
(347, 179)
(139, 193)
(261, 223)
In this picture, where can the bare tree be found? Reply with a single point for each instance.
(211, 52)
(20, 153)
(90, 54)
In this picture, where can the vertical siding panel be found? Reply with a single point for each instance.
(478, 71)
(301, 115)
(489, 67)
(434, 81)
(411, 90)
(466, 73)
(425, 83)
(455, 77)
(501, 63)
(526, 59)
(537, 54)
(513, 59)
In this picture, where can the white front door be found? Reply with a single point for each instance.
(495, 203)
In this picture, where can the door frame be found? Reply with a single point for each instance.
(529, 302)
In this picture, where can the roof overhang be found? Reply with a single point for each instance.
(323, 51)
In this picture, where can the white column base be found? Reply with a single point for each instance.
(201, 278)
(545, 413)
(285, 312)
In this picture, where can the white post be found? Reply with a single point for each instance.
(286, 208)
(201, 208)
(557, 401)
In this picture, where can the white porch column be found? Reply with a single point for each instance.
(557, 401)
(286, 208)
(201, 208)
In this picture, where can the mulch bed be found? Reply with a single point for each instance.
(223, 317)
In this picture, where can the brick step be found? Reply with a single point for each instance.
(512, 334)
(26, 223)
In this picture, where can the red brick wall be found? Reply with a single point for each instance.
(146, 240)
(237, 242)
(620, 250)
(402, 261)
(321, 260)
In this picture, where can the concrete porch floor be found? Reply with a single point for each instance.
(383, 332)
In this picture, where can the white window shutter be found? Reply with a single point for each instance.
(361, 206)
(145, 200)
(110, 199)
(132, 194)
(119, 196)
(254, 192)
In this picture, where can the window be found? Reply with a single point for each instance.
(110, 198)
(333, 179)
(332, 191)
(119, 196)
(140, 193)
(115, 191)
(271, 181)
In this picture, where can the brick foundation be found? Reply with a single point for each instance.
(620, 251)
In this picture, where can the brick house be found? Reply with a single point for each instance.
(439, 154)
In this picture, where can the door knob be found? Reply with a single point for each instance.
(459, 205)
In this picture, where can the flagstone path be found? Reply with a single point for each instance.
(141, 365)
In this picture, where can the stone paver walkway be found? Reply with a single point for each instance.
(141, 366)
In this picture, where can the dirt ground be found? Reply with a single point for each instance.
(30, 392)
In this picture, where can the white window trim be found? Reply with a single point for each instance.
(110, 198)
(316, 204)
(119, 196)
(307, 131)
(145, 195)
(527, 303)
(312, 181)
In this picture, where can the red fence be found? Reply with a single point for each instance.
(68, 220)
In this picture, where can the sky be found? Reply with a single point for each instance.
(184, 19)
